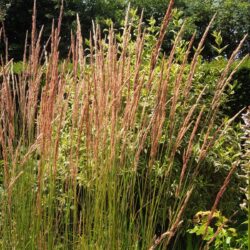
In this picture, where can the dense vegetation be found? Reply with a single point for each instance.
(130, 137)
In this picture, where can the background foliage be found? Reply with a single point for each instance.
(232, 18)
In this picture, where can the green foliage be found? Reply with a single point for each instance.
(237, 90)
(218, 41)
(220, 234)
(240, 97)
(232, 19)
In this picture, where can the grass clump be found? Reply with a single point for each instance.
(105, 154)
